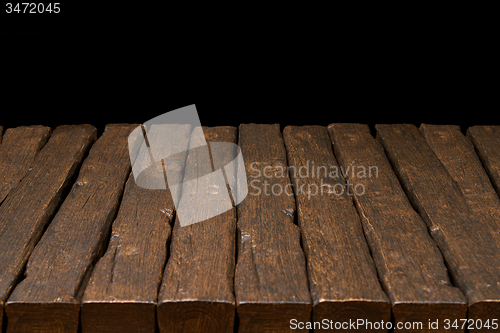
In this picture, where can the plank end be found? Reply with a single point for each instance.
(420, 317)
(42, 317)
(370, 312)
(196, 316)
(257, 317)
(100, 317)
(484, 310)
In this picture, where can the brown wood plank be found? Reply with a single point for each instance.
(457, 154)
(47, 300)
(271, 280)
(486, 140)
(30, 205)
(410, 265)
(121, 295)
(197, 293)
(17, 152)
(469, 251)
(122, 292)
(342, 276)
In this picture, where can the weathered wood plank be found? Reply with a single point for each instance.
(17, 152)
(197, 293)
(121, 295)
(271, 279)
(457, 154)
(30, 205)
(486, 140)
(122, 292)
(470, 253)
(342, 276)
(410, 265)
(47, 300)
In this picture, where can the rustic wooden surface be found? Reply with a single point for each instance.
(486, 140)
(47, 300)
(435, 171)
(468, 249)
(271, 279)
(197, 293)
(121, 295)
(462, 163)
(31, 204)
(17, 152)
(342, 276)
(410, 265)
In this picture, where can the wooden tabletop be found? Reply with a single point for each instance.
(341, 229)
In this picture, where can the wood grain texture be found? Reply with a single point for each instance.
(410, 265)
(342, 276)
(121, 295)
(271, 280)
(30, 206)
(122, 292)
(458, 156)
(17, 152)
(197, 292)
(47, 300)
(469, 251)
(486, 140)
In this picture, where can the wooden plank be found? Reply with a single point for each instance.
(30, 205)
(271, 279)
(469, 252)
(121, 295)
(197, 293)
(486, 140)
(47, 300)
(17, 152)
(342, 276)
(457, 154)
(410, 265)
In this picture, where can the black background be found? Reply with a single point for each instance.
(131, 62)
